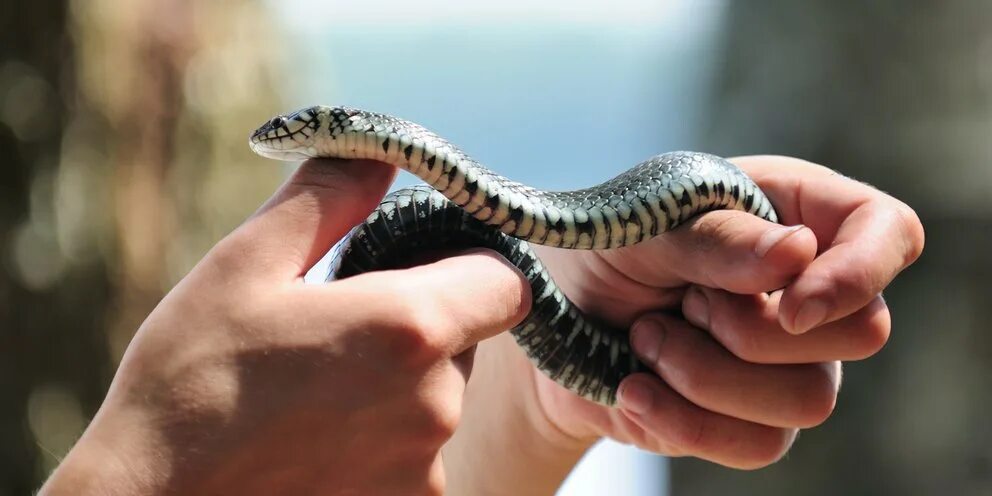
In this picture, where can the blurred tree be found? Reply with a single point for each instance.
(122, 125)
(898, 94)
(54, 362)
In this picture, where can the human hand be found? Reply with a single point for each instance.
(244, 380)
(748, 369)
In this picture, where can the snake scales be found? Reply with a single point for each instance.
(468, 205)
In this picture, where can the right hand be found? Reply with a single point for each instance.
(245, 380)
(733, 381)
(737, 377)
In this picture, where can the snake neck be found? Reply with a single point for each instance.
(651, 198)
(489, 197)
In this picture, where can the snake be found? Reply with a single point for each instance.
(466, 205)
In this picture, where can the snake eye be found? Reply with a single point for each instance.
(277, 122)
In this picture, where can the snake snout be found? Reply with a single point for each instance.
(259, 134)
(286, 137)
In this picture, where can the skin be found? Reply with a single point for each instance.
(744, 371)
(246, 381)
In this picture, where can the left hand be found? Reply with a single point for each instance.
(745, 370)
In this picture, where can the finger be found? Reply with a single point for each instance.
(726, 249)
(748, 326)
(319, 203)
(429, 311)
(870, 249)
(674, 426)
(865, 238)
(705, 373)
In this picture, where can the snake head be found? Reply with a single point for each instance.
(290, 136)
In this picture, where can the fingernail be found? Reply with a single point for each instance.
(772, 237)
(636, 397)
(696, 308)
(646, 340)
(811, 314)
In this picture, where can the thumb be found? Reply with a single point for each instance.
(316, 207)
(446, 307)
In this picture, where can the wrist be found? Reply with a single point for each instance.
(505, 443)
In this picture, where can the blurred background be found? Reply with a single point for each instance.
(123, 131)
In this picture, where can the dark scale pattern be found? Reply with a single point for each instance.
(394, 235)
(474, 204)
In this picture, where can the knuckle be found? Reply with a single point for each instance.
(912, 231)
(417, 340)
(860, 279)
(438, 421)
(820, 394)
(872, 333)
(416, 329)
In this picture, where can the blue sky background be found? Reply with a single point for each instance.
(560, 95)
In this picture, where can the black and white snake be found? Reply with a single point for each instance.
(469, 205)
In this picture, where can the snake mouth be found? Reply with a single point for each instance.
(273, 148)
(277, 154)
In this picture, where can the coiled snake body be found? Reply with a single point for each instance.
(468, 205)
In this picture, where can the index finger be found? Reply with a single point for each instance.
(865, 238)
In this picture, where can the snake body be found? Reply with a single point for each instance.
(468, 205)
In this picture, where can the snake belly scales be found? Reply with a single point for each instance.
(468, 205)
